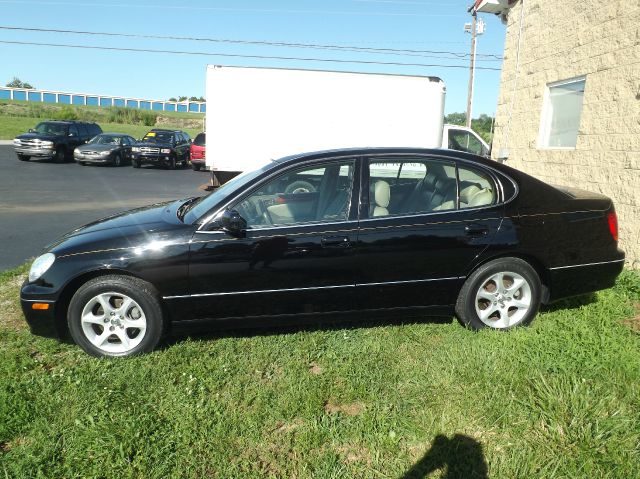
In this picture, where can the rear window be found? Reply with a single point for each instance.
(200, 139)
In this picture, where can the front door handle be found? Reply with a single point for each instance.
(476, 230)
(335, 242)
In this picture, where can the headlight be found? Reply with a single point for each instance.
(46, 144)
(16, 141)
(105, 153)
(41, 265)
(135, 148)
(165, 150)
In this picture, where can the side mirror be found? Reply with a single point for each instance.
(31, 130)
(233, 223)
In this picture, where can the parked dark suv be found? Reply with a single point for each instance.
(54, 140)
(162, 147)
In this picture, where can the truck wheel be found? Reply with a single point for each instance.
(59, 155)
(135, 163)
(23, 157)
(172, 163)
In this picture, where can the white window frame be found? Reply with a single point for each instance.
(546, 116)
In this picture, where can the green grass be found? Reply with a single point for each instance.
(560, 399)
(17, 117)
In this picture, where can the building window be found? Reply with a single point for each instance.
(561, 114)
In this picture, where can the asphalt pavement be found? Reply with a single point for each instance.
(40, 201)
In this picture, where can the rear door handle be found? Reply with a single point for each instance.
(476, 230)
(335, 242)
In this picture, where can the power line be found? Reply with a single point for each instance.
(234, 55)
(335, 47)
(230, 9)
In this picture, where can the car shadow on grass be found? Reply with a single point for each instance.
(458, 457)
(575, 302)
(210, 330)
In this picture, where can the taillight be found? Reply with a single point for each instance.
(612, 219)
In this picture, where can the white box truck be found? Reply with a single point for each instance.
(258, 114)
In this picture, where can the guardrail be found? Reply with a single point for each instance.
(66, 98)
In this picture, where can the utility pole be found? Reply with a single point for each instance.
(475, 28)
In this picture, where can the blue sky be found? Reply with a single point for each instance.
(422, 26)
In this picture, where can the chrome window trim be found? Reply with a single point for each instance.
(286, 290)
(588, 264)
(496, 175)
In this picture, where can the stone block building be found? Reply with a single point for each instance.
(569, 105)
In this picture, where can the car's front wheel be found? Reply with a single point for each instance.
(115, 316)
(135, 163)
(117, 160)
(59, 155)
(501, 294)
(23, 157)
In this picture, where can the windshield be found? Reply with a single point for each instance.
(51, 129)
(201, 207)
(158, 137)
(106, 140)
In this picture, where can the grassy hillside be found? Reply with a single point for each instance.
(427, 398)
(18, 116)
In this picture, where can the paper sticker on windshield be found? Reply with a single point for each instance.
(151, 134)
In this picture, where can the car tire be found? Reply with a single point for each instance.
(23, 157)
(172, 163)
(117, 160)
(82, 163)
(111, 316)
(502, 294)
(59, 156)
(196, 166)
(299, 186)
(135, 163)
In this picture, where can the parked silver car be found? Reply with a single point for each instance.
(106, 148)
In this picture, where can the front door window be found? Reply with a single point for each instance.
(311, 194)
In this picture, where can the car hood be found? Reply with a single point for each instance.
(129, 229)
(94, 147)
(37, 136)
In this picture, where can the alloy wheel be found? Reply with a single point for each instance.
(503, 300)
(113, 322)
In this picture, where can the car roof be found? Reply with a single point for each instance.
(69, 122)
(164, 130)
(112, 133)
(365, 151)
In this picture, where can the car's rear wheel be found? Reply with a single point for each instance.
(196, 166)
(115, 316)
(501, 294)
(82, 163)
(23, 157)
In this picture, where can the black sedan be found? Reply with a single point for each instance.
(106, 148)
(328, 233)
